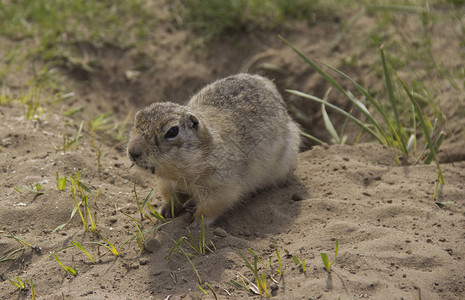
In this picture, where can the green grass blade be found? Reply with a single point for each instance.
(263, 284)
(85, 187)
(109, 245)
(324, 74)
(181, 251)
(203, 236)
(154, 213)
(21, 242)
(147, 199)
(334, 83)
(411, 143)
(343, 112)
(69, 220)
(138, 202)
(336, 251)
(312, 138)
(80, 247)
(172, 206)
(295, 259)
(390, 90)
(280, 271)
(246, 261)
(144, 232)
(9, 255)
(329, 125)
(212, 290)
(325, 260)
(200, 288)
(70, 270)
(192, 243)
(436, 146)
(423, 126)
(375, 104)
(130, 217)
(433, 130)
(18, 284)
(88, 213)
(33, 293)
(79, 210)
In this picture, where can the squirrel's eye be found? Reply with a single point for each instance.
(172, 132)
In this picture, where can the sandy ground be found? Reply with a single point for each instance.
(394, 242)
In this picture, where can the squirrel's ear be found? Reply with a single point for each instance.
(193, 121)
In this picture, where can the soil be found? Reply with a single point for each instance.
(394, 242)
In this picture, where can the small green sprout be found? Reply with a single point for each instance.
(199, 246)
(77, 185)
(300, 263)
(210, 288)
(73, 111)
(108, 245)
(23, 286)
(73, 192)
(142, 206)
(260, 278)
(100, 123)
(155, 214)
(19, 284)
(33, 293)
(80, 247)
(36, 189)
(10, 255)
(297, 261)
(31, 102)
(142, 233)
(280, 270)
(68, 143)
(70, 270)
(61, 182)
(325, 260)
(21, 242)
(179, 250)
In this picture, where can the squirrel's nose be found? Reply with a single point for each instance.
(133, 154)
(135, 148)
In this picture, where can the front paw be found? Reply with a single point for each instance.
(169, 211)
(201, 221)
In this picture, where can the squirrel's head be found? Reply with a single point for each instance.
(167, 139)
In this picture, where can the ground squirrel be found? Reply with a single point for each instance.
(232, 138)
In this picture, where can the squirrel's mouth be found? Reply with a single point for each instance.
(152, 169)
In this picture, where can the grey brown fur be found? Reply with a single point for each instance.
(235, 136)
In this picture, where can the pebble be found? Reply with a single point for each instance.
(220, 232)
(296, 197)
(143, 261)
